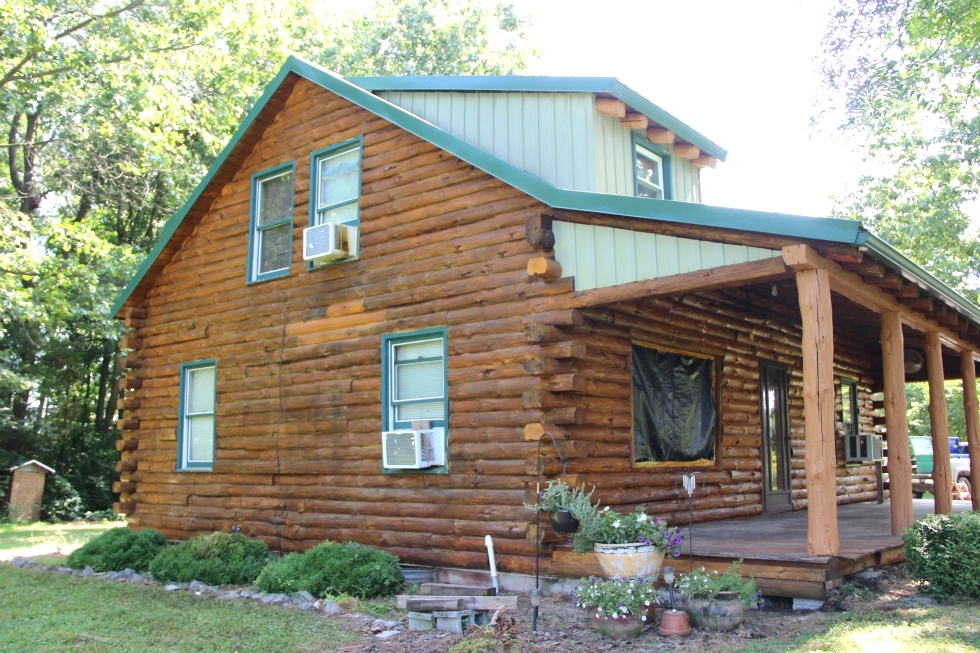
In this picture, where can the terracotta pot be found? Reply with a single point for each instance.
(562, 522)
(722, 613)
(620, 628)
(674, 623)
(629, 560)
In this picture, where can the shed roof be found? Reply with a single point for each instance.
(834, 230)
(32, 462)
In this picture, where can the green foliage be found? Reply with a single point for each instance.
(703, 585)
(616, 598)
(615, 528)
(215, 559)
(60, 501)
(559, 496)
(331, 568)
(118, 549)
(902, 77)
(943, 551)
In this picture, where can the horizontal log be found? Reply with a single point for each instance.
(130, 383)
(124, 487)
(537, 430)
(128, 424)
(135, 312)
(565, 383)
(634, 121)
(610, 107)
(536, 332)
(130, 404)
(686, 151)
(126, 465)
(131, 342)
(124, 507)
(660, 135)
(544, 268)
(127, 445)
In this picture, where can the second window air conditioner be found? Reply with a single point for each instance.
(863, 447)
(327, 242)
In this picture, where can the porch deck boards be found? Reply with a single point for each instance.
(774, 550)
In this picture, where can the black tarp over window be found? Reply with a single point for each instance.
(673, 406)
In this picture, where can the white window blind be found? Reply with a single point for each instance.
(419, 387)
(199, 415)
(338, 186)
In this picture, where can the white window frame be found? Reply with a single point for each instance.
(184, 460)
(257, 230)
(639, 150)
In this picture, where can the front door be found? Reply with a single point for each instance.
(777, 494)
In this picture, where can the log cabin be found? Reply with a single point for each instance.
(386, 293)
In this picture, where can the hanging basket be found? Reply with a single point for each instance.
(629, 560)
(562, 522)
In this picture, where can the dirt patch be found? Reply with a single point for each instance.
(563, 627)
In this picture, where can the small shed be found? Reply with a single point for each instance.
(26, 489)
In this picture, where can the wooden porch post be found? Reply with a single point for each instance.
(939, 419)
(818, 412)
(971, 410)
(896, 422)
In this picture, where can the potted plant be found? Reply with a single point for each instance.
(570, 510)
(718, 601)
(617, 608)
(634, 544)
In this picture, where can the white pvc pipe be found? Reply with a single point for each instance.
(493, 564)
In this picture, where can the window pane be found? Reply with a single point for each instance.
(418, 381)
(415, 350)
(345, 213)
(649, 174)
(339, 176)
(430, 410)
(275, 248)
(845, 400)
(275, 199)
(200, 390)
(200, 439)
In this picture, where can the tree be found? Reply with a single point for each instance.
(112, 112)
(903, 76)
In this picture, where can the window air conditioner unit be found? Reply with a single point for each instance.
(863, 447)
(329, 242)
(413, 449)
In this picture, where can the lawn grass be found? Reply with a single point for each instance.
(40, 539)
(953, 628)
(44, 611)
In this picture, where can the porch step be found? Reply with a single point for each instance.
(446, 589)
(416, 603)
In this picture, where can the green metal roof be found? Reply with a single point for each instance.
(835, 230)
(530, 84)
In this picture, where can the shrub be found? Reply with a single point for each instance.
(118, 549)
(331, 568)
(60, 501)
(943, 551)
(215, 559)
(702, 585)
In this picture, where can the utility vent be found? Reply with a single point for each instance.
(413, 449)
(329, 242)
(863, 447)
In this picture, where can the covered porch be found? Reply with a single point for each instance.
(774, 548)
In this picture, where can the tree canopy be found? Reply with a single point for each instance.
(111, 113)
(903, 76)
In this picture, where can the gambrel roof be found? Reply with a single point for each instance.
(359, 92)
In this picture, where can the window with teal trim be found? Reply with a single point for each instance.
(195, 431)
(848, 405)
(271, 234)
(650, 173)
(414, 383)
(336, 189)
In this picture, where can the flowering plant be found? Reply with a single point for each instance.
(560, 496)
(700, 584)
(616, 598)
(615, 528)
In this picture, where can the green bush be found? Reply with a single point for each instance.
(944, 552)
(60, 501)
(331, 569)
(118, 549)
(215, 559)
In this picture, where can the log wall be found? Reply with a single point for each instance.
(298, 412)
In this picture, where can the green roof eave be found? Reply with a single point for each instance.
(834, 230)
(915, 273)
(531, 84)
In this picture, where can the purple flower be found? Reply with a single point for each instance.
(677, 554)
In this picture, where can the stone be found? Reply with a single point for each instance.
(135, 578)
(21, 562)
(302, 596)
(387, 634)
(88, 571)
(197, 586)
(171, 588)
(230, 594)
(274, 599)
(330, 607)
(304, 606)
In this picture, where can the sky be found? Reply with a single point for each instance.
(742, 72)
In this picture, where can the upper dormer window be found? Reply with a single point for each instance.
(649, 173)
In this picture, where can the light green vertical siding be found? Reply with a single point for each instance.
(599, 257)
(545, 134)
